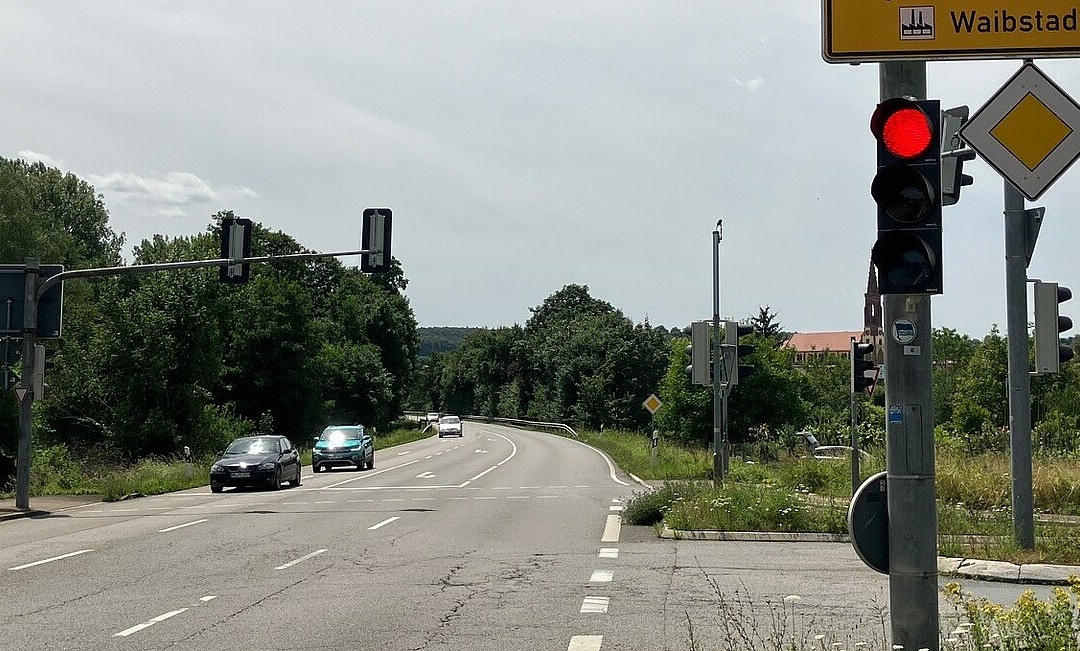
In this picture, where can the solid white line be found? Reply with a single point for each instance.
(601, 576)
(609, 552)
(292, 503)
(122, 510)
(372, 474)
(148, 623)
(181, 526)
(585, 643)
(50, 560)
(611, 529)
(607, 459)
(383, 523)
(595, 604)
(301, 559)
(480, 475)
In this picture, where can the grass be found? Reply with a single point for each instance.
(632, 453)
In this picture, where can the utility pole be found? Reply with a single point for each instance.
(720, 460)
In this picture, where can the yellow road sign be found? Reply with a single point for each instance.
(652, 403)
(1029, 131)
(863, 31)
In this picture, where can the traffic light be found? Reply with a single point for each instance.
(376, 239)
(1049, 324)
(235, 245)
(42, 366)
(954, 155)
(860, 366)
(699, 370)
(734, 351)
(907, 189)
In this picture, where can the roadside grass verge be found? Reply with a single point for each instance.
(56, 470)
(631, 452)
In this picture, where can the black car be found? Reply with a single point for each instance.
(343, 445)
(256, 461)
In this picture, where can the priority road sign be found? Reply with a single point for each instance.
(863, 31)
(1029, 131)
(652, 403)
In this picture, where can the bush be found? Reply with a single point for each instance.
(649, 507)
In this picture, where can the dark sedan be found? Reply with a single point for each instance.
(256, 461)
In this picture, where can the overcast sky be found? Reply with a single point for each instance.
(522, 146)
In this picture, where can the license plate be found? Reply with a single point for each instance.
(241, 475)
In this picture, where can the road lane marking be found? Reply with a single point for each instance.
(427, 474)
(595, 604)
(466, 483)
(614, 508)
(372, 474)
(601, 576)
(585, 643)
(611, 529)
(607, 460)
(209, 597)
(181, 526)
(425, 499)
(324, 502)
(122, 510)
(301, 559)
(353, 501)
(609, 552)
(428, 456)
(546, 497)
(485, 497)
(394, 499)
(50, 560)
(383, 523)
(148, 623)
(293, 503)
(405, 452)
(581, 485)
(517, 497)
(616, 501)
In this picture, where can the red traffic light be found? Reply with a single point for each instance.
(902, 128)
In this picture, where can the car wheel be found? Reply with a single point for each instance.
(215, 488)
(316, 468)
(371, 464)
(277, 479)
(296, 482)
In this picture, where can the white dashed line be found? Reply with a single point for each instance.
(616, 501)
(324, 502)
(612, 528)
(614, 508)
(301, 559)
(517, 497)
(585, 643)
(546, 497)
(181, 526)
(383, 523)
(50, 560)
(148, 623)
(209, 597)
(601, 576)
(427, 474)
(609, 552)
(595, 604)
(372, 474)
(405, 452)
(485, 497)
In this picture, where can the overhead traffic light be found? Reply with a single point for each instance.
(1049, 324)
(375, 238)
(235, 245)
(699, 370)
(860, 366)
(734, 351)
(907, 189)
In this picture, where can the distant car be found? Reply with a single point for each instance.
(433, 418)
(343, 445)
(256, 461)
(450, 426)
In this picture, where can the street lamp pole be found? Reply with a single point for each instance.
(720, 460)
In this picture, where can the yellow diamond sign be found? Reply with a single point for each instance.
(1028, 131)
(652, 403)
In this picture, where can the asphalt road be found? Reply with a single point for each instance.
(503, 539)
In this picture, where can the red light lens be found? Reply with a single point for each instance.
(906, 133)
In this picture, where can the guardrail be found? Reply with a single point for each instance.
(518, 422)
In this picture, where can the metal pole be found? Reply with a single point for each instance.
(913, 588)
(7, 345)
(26, 413)
(854, 399)
(719, 440)
(1019, 382)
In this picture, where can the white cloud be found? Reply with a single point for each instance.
(164, 194)
(749, 84)
(34, 157)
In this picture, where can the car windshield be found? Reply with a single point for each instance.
(449, 420)
(339, 435)
(252, 446)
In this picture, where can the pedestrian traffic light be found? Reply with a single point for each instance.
(376, 240)
(235, 245)
(1049, 324)
(699, 370)
(734, 352)
(907, 189)
(860, 366)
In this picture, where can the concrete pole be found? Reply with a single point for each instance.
(1023, 501)
(913, 589)
(26, 408)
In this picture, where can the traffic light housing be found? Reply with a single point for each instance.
(699, 370)
(907, 189)
(235, 245)
(1049, 324)
(375, 238)
(735, 351)
(860, 365)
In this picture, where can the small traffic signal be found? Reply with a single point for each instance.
(954, 155)
(235, 245)
(907, 189)
(860, 366)
(375, 239)
(734, 351)
(699, 370)
(42, 366)
(1049, 324)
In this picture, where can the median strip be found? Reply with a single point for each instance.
(50, 560)
(181, 526)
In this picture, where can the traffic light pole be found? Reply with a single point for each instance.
(913, 587)
(1023, 501)
(719, 399)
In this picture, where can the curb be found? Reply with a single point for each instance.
(966, 568)
(30, 513)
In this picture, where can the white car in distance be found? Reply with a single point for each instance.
(450, 426)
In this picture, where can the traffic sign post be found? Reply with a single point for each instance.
(653, 404)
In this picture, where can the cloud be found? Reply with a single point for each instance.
(749, 84)
(34, 157)
(164, 194)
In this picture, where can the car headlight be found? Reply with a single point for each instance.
(216, 468)
(268, 465)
